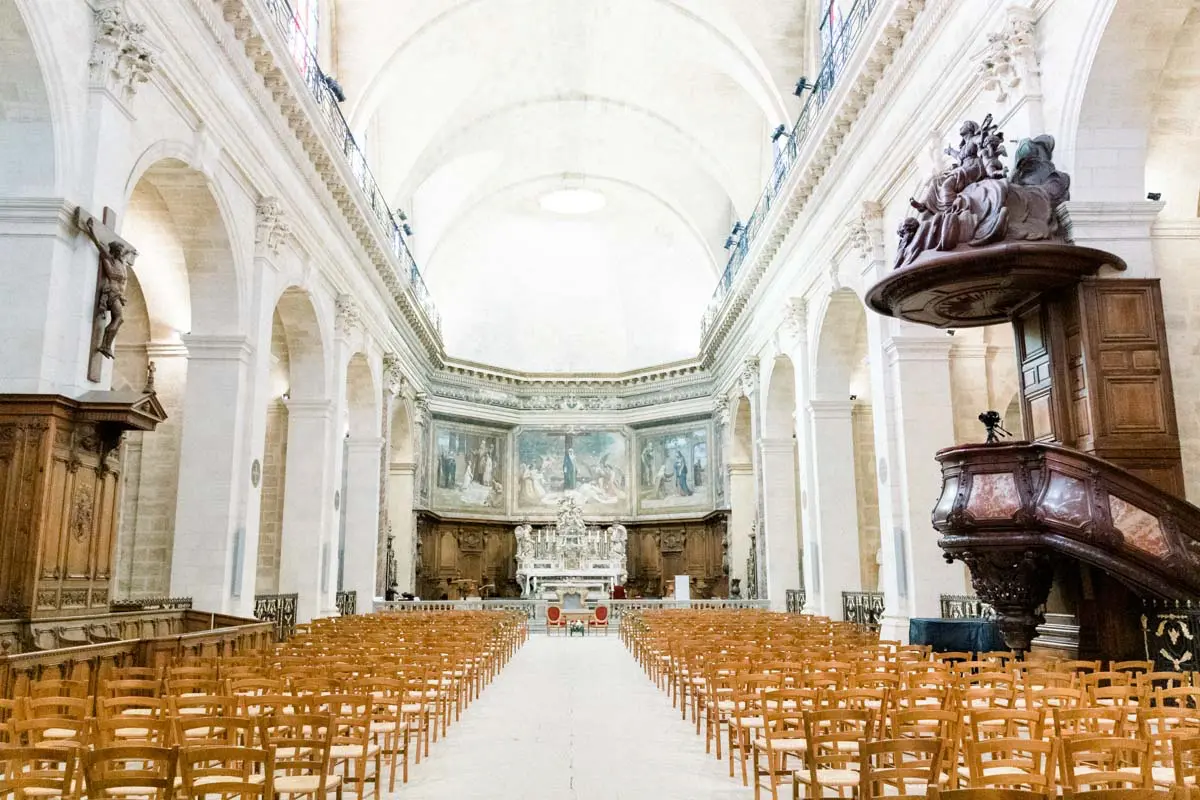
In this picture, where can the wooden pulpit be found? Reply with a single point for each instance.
(60, 478)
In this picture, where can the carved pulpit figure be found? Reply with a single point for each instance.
(116, 259)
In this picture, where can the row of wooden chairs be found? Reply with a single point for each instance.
(767, 687)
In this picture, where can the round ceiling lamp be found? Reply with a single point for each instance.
(572, 201)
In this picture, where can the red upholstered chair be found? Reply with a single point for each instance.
(555, 619)
(599, 618)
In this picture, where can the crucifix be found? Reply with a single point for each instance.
(116, 259)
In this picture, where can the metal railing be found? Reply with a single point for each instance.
(279, 609)
(315, 79)
(965, 606)
(347, 603)
(795, 600)
(833, 64)
(863, 608)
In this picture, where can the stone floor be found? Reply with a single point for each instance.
(572, 719)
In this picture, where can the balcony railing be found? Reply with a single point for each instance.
(279, 609)
(314, 78)
(863, 608)
(833, 64)
(347, 603)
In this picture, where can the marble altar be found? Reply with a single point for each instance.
(571, 557)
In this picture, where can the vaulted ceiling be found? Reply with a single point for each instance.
(474, 112)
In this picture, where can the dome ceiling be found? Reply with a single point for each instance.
(651, 119)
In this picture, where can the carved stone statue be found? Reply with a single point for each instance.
(618, 539)
(973, 204)
(524, 535)
(115, 262)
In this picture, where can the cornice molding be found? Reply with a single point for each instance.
(853, 92)
(245, 30)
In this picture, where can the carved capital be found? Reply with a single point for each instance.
(393, 375)
(273, 227)
(421, 410)
(795, 317)
(1008, 61)
(866, 232)
(348, 318)
(750, 369)
(721, 412)
(122, 59)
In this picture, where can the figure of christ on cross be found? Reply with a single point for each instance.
(116, 259)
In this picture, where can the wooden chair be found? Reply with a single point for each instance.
(41, 772)
(226, 771)
(1012, 763)
(987, 794)
(1185, 757)
(194, 730)
(783, 736)
(900, 767)
(599, 618)
(299, 745)
(1090, 762)
(835, 738)
(146, 773)
(352, 747)
(555, 619)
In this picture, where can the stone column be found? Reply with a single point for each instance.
(741, 516)
(362, 518)
(913, 416)
(834, 504)
(209, 553)
(401, 486)
(781, 529)
(308, 513)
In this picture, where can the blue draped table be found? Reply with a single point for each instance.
(954, 635)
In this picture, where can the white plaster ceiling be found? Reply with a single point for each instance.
(473, 109)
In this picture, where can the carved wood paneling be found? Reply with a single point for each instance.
(59, 479)
(485, 551)
(1095, 375)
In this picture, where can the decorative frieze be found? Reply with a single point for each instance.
(273, 227)
(122, 59)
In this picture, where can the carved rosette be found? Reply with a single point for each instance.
(1016, 583)
(122, 59)
(273, 228)
(750, 369)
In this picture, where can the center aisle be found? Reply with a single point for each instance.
(572, 719)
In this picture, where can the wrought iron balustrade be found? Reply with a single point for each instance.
(279, 609)
(965, 606)
(347, 603)
(863, 608)
(795, 599)
(315, 79)
(833, 65)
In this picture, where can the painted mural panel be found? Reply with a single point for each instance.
(469, 468)
(591, 466)
(673, 469)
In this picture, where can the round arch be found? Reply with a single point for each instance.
(841, 345)
(29, 158)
